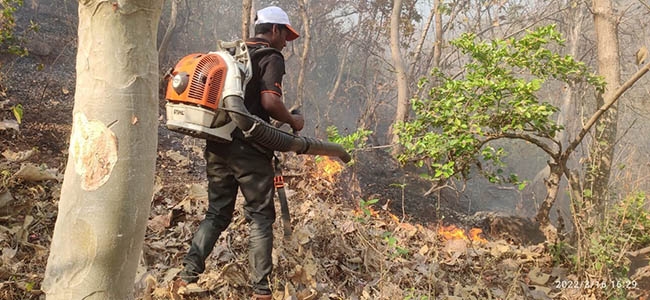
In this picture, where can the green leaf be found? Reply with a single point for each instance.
(18, 112)
(372, 201)
(522, 186)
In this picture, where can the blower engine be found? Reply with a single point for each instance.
(205, 99)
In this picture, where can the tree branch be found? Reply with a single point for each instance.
(645, 4)
(529, 138)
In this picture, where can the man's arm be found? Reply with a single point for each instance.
(273, 104)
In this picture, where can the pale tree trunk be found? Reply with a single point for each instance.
(566, 114)
(306, 41)
(400, 73)
(602, 149)
(437, 46)
(108, 183)
(436, 54)
(246, 18)
(331, 95)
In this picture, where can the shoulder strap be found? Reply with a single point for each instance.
(260, 52)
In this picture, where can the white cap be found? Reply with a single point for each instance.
(275, 15)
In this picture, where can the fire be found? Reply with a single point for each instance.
(329, 167)
(474, 234)
(452, 232)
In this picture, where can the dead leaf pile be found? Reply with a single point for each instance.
(27, 210)
(338, 252)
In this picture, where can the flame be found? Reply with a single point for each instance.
(329, 167)
(474, 234)
(452, 232)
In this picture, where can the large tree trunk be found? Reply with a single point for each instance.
(602, 149)
(400, 74)
(108, 183)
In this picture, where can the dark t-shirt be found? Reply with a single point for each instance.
(268, 70)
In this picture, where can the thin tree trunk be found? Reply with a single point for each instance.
(552, 187)
(567, 101)
(164, 44)
(400, 74)
(437, 46)
(436, 54)
(108, 183)
(343, 62)
(418, 48)
(339, 74)
(602, 149)
(246, 18)
(306, 41)
(567, 96)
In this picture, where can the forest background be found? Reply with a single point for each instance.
(357, 66)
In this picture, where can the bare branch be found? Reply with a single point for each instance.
(645, 4)
(529, 138)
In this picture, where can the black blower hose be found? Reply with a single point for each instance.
(276, 139)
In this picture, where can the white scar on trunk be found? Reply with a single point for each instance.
(93, 147)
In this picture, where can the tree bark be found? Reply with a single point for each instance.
(108, 183)
(246, 18)
(552, 187)
(400, 74)
(602, 149)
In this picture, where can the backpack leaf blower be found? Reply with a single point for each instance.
(205, 99)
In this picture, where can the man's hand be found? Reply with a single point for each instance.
(298, 122)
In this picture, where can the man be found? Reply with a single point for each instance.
(246, 165)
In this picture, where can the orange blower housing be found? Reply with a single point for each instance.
(205, 74)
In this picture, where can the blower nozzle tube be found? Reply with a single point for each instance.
(276, 139)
